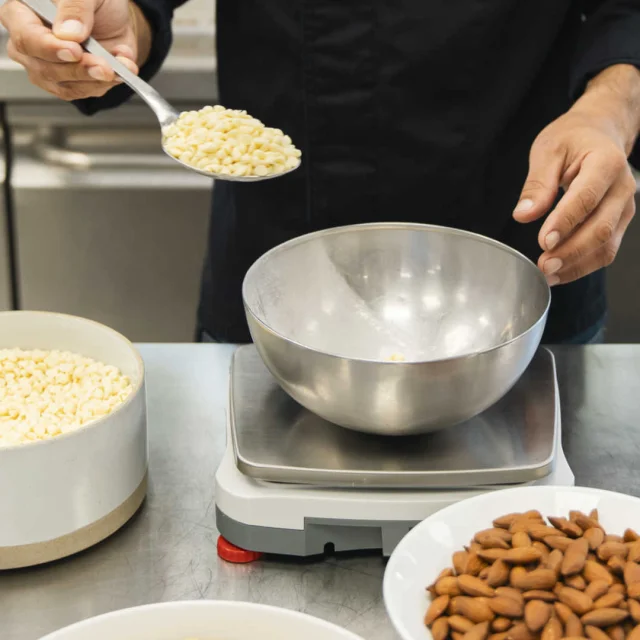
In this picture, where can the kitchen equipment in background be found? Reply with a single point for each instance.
(291, 483)
(464, 312)
(108, 227)
(74, 490)
(5, 266)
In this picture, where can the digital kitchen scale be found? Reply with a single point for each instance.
(291, 483)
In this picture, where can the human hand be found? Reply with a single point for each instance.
(54, 59)
(585, 152)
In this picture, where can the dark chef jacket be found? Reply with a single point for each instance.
(405, 110)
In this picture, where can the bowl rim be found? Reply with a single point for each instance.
(190, 604)
(416, 531)
(396, 226)
(63, 437)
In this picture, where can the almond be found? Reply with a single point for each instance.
(616, 565)
(455, 635)
(436, 609)
(504, 522)
(634, 552)
(554, 561)
(611, 537)
(520, 631)
(576, 582)
(567, 527)
(448, 586)
(474, 564)
(595, 537)
(594, 515)
(577, 601)
(575, 557)
(633, 591)
(536, 615)
(583, 521)
(498, 574)
(563, 612)
(604, 617)
(510, 592)
(595, 571)
(472, 609)
(489, 534)
(520, 539)
(616, 632)
(634, 610)
(460, 624)
(608, 549)
(523, 555)
(543, 579)
(491, 555)
(573, 626)
(495, 543)
(484, 574)
(538, 594)
(445, 573)
(631, 573)
(506, 607)
(501, 624)
(459, 560)
(540, 532)
(472, 586)
(618, 588)
(440, 629)
(542, 548)
(630, 536)
(634, 634)
(498, 636)
(609, 601)
(597, 589)
(593, 633)
(552, 630)
(479, 632)
(558, 542)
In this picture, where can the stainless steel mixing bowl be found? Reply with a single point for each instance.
(331, 313)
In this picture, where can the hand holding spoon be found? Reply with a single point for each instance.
(167, 116)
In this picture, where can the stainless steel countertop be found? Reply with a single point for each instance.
(168, 551)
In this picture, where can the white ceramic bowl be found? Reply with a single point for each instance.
(427, 549)
(203, 620)
(66, 494)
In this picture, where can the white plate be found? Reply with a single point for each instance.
(427, 549)
(203, 620)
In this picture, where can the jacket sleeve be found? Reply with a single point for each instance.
(610, 35)
(159, 14)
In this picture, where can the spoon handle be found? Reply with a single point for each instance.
(164, 111)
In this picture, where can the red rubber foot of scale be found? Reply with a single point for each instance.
(230, 553)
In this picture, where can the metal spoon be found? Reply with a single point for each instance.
(165, 113)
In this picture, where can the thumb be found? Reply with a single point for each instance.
(542, 183)
(74, 20)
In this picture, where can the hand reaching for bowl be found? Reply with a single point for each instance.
(585, 152)
(54, 59)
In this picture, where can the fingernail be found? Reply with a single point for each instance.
(97, 73)
(523, 206)
(552, 281)
(552, 240)
(66, 56)
(125, 51)
(552, 265)
(70, 28)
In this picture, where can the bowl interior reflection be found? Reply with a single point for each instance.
(376, 291)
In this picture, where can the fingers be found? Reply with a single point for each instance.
(74, 19)
(597, 173)
(30, 37)
(603, 256)
(546, 163)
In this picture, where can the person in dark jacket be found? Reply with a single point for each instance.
(511, 119)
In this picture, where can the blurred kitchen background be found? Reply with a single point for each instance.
(96, 221)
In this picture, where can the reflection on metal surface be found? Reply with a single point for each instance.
(277, 440)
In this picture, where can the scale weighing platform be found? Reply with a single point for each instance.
(291, 483)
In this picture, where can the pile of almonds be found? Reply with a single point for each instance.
(525, 579)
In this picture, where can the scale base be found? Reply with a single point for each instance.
(295, 520)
